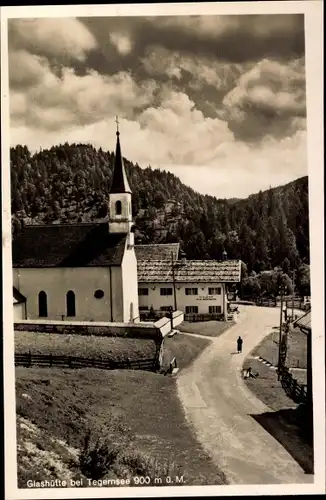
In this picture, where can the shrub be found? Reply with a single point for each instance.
(96, 460)
(137, 463)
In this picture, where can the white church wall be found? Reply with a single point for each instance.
(56, 282)
(130, 285)
(117, 300)
(19, 311)
(202, 300)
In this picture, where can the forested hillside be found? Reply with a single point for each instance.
(71, 183)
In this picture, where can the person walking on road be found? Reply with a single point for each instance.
(239, 344)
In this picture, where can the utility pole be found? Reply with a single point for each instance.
(280, 335)
(173, 278)
(293, 287)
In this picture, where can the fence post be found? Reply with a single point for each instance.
(302, 394)
(294, 387)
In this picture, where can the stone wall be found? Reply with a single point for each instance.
(128, 330)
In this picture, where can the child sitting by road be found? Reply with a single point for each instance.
(248, 373)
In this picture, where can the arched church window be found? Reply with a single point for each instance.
(71, 303)
(118, 207)
(42, 305)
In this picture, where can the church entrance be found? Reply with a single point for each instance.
(71, 303)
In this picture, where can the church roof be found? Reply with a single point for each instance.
(68, 245)
(120, 182)
(162, 251)
(18, 298)
(192, 271)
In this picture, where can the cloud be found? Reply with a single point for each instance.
(197, 71)
(25, 69)
(52, 101)
(53, 37)
(122, 42)
(237, 39)
(266, 100)
(175, 132)
(217, 100)
(181, 132)
(239, 170)
(205, 157)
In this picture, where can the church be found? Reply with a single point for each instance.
(94, 271)
(82, 271)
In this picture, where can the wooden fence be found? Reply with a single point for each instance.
(29, 359)
(275, 302)
(297, 392)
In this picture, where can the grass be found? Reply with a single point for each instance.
(282, 423)
(138, 411)
(266, 386)
(90, 346)
(184, 348)
(207, 328)
(296, 353)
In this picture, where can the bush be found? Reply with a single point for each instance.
(137, 463)
(95, 461)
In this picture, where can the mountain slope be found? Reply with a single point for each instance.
(71, 183)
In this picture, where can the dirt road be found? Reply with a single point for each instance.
(219, 407)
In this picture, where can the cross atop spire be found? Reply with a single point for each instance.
(117, 122)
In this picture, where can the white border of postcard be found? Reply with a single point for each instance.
(313, 11)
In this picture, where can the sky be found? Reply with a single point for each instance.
(217, 100)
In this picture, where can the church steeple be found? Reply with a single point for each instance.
(120, 182)
(120, 209)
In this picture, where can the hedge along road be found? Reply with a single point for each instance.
(219, 407)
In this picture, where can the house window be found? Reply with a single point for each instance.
(118, 207)
(143, 308)
(166, 291)
(191, 291)
(142, 291)
(214, 309)
(42, 305)
(191, 309)
(214, 291)
(71, 303)
(166, 308)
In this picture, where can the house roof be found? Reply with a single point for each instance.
(18, 298)
(67, 245)
(304, 322)
(193, 271)
(163, 251)
(120, 182)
